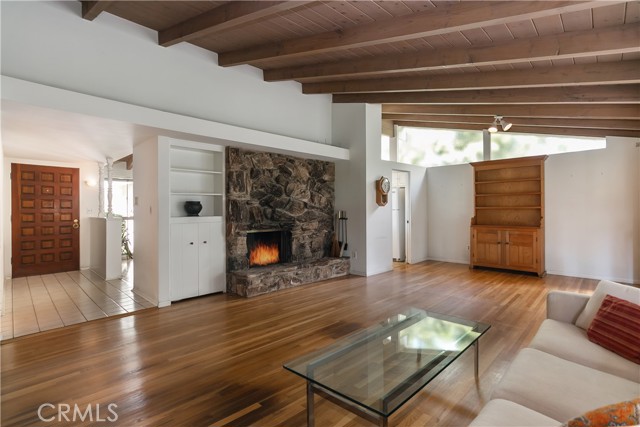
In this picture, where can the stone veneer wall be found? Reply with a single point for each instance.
(269, 191)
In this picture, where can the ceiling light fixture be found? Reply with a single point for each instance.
(505, 124)
(502, 122)
(494, 126)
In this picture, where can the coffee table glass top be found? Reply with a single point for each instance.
(383, 366)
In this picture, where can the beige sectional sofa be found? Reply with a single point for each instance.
(561, 374)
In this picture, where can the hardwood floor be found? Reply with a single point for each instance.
(41, 303)
(217, 360)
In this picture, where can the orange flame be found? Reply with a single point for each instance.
(264, 255)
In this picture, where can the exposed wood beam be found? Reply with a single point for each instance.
(222, 18)
(520, 121)
(586, 111)
(441, 20)
(128, 160)
(611, 94)
(91, 9)
(602, 41)
(527, 129)
(622, 72)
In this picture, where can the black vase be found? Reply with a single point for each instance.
(192, 207)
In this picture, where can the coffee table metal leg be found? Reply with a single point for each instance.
(476, 356)
(310, 408)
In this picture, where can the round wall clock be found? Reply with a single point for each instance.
(383, 186)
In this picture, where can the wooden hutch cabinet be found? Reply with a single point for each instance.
(507, 230)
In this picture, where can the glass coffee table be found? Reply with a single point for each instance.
(374, 372)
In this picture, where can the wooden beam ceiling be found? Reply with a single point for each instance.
(569, 75)
(91, 9)
(575, 44)
(614, 94)
(521, 121)
(222, 18)
(564, 67)
(599, 133)
(441, 20)
(585, 111)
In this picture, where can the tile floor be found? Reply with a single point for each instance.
(40, 303)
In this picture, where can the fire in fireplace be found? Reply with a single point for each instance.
(266, 247)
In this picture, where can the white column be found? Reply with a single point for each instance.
(109, 187)
(100, 189)
(486, 145)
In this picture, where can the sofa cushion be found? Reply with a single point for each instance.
(570, 343)
(616, 327)
(504, 413)
(619, 414)
(558, 388)
(604, 288)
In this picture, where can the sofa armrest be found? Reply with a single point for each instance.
(565, 306)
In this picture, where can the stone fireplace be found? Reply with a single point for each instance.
(280, 204)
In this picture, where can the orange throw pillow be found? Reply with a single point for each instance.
(618, 414)
(616, 327)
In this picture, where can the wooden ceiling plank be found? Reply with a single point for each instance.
(620, 39)
(601, 133)
(521, 121)
(222, 18)
(442, 20)
(612, 94)
(623, 72)
(585, 111)
(91, 9)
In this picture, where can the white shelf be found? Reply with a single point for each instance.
(196, 175)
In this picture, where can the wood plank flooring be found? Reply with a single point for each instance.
(217, 360)
(41, 303)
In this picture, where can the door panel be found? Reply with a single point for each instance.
(45, 212)
(487, 248)
(521, 249)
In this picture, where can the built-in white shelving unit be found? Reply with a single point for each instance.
(197, 174)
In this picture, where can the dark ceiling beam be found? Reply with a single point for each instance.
(91, 9)
(601, 133)
(520, 121)
(222, 18)
(611, 94)
(585, 111)
(600, 41)
(441, 20)
(623, 72)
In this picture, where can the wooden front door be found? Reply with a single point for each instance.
(45, 208)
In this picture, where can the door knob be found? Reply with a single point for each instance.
(76, 224)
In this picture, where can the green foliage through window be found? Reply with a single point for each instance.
(438, 147)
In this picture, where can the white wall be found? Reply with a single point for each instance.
(349, 132)
(358, 127)
(49, 43)
(146, 274)
(449, 212)
(88, 206)
(592, 212)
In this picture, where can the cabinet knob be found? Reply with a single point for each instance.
(205, 242)
(191, 243)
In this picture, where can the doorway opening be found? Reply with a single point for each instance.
(400, 216)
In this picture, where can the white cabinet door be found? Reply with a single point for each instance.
(184, 261)
(211, 258)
